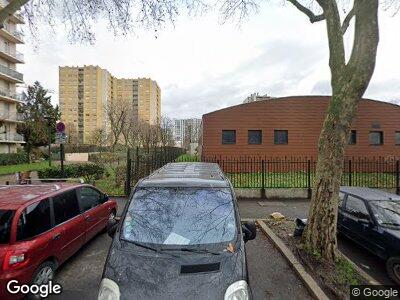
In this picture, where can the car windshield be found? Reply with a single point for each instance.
(387, 213)
(6, 217)
(180, 216)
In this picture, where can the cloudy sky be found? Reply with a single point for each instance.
(202, 65)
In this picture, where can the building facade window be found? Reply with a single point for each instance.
(397, 137)
(281, 137)
(254, 137)
(376, 138)
(228, 137)
(353, 137)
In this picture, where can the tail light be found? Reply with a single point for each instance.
(15, 260)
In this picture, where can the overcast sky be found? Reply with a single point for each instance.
(202, 65)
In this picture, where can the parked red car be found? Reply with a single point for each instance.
(43, 225)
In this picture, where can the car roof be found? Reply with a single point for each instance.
(369, 194)
(187, 174)
(14, 196)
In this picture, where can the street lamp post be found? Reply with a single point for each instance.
(49, 119)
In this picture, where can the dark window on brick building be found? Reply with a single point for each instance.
(397, 137)
(353, 137)
(228, 137)
(255, 137)
(281, 137)
(376, 138)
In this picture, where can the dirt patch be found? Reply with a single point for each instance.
(334, 278)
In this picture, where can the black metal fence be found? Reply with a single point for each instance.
(265, 173)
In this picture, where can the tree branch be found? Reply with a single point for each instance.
(346, 21)
(313, 18)
(10, 9)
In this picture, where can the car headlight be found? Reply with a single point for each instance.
(237, 291)
(109, 290)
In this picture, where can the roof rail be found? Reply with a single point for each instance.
(45, 180)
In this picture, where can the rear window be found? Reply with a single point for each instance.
(6, 217)
(180, 216)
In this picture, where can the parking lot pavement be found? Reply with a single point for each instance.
(80, 276)
(270, 275)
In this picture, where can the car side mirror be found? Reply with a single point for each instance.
(112, 226)
(249, 231)
(367, 222)
(106, 198)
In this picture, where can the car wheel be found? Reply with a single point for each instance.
(393, 269)
(112, 215)
(44, 273)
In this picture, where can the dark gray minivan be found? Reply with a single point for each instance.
(179, 237)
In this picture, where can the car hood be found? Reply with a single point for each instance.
(394, 233)
(143, 274)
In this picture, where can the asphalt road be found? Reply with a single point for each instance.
(270, 275)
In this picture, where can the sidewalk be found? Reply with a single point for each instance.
(270, 275)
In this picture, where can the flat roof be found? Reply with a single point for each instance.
(369, 194)
(187, 174)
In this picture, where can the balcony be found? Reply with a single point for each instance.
(11, 75)
(11, 138)
(14, 36)
(16, 18)
(11, 54)
(7, 95)
(10, 117)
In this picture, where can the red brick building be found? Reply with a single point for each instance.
(290, 127)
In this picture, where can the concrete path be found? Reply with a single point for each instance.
(270, 275)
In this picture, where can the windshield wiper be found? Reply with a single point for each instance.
(144, 246)
(391, 224)
(193, 250)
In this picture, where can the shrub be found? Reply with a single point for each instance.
(89, 172)
(13, 158)
(120, 175)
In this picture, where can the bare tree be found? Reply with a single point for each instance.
(166, 132)
(117, 114)
(131, 128)
(99, 138)
(349, 78)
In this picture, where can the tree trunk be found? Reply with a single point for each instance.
(320, 235)
(349, 82)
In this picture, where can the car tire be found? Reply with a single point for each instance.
(49, 268)
(44, 273)
(393, 269)
(112, 214)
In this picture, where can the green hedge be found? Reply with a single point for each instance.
(89, 172)
(7, 159)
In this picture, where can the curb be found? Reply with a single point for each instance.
(360, 271)
(306, 278)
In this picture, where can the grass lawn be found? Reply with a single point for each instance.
(12, 169)
(300, 180)
(107, 183)
(187, 158)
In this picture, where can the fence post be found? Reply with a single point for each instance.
(128, 173)
(350, 173)
(263, 194)
(309, 191)
(398, 177)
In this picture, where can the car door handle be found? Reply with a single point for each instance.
(89, 218)
(57, 236)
